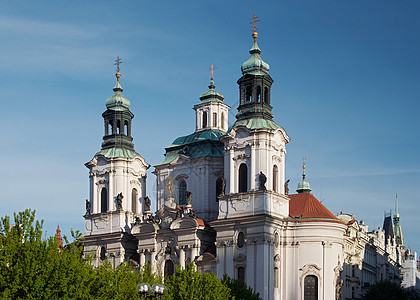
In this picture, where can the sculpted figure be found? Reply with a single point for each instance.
(286, 187)
(147, 203)
(88, 207)
(223, 187)
(263, 180)
(189, 197)
(119, 201)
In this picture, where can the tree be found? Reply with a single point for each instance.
(387, 290)
(239, 289)
(189, 284)
(33, 268)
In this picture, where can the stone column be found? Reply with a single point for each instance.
(110, 189)
(182, 257)
(232, 174)
(142, 257)
(252, 173)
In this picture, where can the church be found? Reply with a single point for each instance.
(223, 201)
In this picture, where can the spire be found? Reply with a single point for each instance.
(303, 186)
(255, 65)
(396, 214)
(117, 118)
(211, 95)
(118, 101)
(58, 237)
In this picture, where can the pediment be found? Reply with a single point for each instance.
(143, 228)
(185, 222)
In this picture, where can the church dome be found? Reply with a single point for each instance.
(117, 101)
(255, 65)
(303, 186)
(211, 95)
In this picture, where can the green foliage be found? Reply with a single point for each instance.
(189, 284)
(386, 290)
(33, 268)
(239, 289)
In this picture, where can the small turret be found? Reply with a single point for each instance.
(303, 186)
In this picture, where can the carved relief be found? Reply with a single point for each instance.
(240, 204)
(310, 269)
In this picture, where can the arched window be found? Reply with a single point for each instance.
(214, 119)
(125, 128)
(276, 277)
(243, 178)
(222, 120)
(258, 94)
(169, 268)
(111, 125)
(266, 100)
(104, 200)
(241, 273)
(310, 288)
(102, 254)
(248, 97)
(134, 200)
(118, 126)
(182, 193)
(219, 188)
(275, 178)
(204, 119)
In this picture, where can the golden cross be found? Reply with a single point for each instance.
(254, 21)
(212, 72)
(117, 63)
(304, 162)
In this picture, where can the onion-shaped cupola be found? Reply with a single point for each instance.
(303, 186)
(118, 101)
(255, 65)
(117, 119)
(255, 85)
(211, 95)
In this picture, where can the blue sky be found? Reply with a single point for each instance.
(346, 89)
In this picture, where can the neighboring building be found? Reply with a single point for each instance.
(369, 257)
(410, 272)
(223, 202)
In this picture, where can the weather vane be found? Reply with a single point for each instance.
(212, 72)
(117, 63)
(254, 21)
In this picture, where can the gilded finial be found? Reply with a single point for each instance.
(304, 167)
(254, 22)
(117, 63)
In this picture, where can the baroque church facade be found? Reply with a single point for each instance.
(223, 201)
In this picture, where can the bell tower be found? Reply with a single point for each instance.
(254, 205)
(117, 181)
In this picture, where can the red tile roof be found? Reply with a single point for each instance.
(306, 206)
(200, 222)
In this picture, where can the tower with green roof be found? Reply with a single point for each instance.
(255, 146)
(194, 162)
(117, 181)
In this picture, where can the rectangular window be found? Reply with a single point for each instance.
(214, 119)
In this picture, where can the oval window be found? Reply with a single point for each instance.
(240, 240)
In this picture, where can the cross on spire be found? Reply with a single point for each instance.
(212, 67)
(254, 21)
(117, 63)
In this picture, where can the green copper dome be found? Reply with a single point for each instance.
(255, 65)
(118, 101)
(303, 186)
(211, 95)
